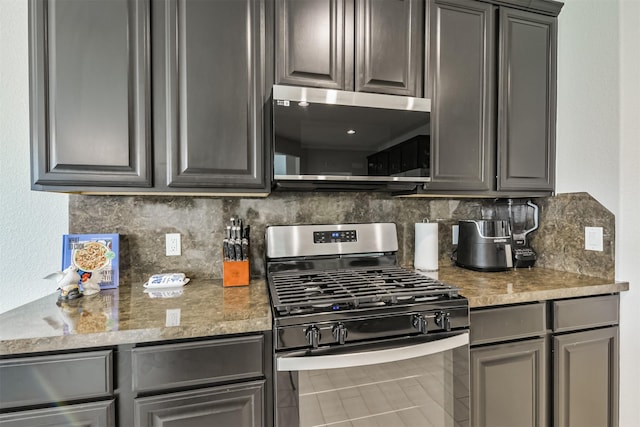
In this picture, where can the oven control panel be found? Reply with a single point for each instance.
(341, 236)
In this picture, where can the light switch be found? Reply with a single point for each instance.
(593, 239)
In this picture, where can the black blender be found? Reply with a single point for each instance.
(523, 219)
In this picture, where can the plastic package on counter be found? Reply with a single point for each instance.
(168, 280)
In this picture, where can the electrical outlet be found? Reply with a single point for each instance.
(172, 317)
(173, 244)
(593, 239)
(454, 234)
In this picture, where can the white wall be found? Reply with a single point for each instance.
(31, 223)
(598, 144)
(628, 232)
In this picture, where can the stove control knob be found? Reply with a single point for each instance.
(339, 333)
(313, 336)
(443, 320)
(420, 323)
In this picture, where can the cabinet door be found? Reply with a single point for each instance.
(527, 101)
(586, 378)
(310, 43)
(212, 93)
(462, 79)
(96, 414)
(508, 384)
(235, 405)
(89, 93)
(389, 46)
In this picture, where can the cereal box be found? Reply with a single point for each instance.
(94, 255)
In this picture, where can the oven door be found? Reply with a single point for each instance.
(417, 381)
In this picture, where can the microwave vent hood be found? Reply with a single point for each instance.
(336, 140)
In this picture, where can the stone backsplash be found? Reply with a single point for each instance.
(142, 222)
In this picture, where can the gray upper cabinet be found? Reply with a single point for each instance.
(363, 45)
(389, 44)
(310, 43)
(463, 88)
(527, 101)
(150, 96)
(492, 73)
(89, 97)
(210, 92)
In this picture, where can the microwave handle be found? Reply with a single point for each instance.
(310, 363)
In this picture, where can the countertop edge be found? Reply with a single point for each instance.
(15, 347)
(546, 295)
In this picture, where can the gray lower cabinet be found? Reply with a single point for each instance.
(509, 366)
(586, 378)
(214, 382)
(361, 45)
(493, 127)
(94, 414)
(547, 363)
(45, 390)
(149, 96)
(236, 405)
(586, 362)
(218, 381)
(509, 383)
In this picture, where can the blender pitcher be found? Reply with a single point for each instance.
(523, 219)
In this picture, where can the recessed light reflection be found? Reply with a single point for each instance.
(303, 103)
(351, 131)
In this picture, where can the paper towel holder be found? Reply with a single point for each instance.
(426, 253)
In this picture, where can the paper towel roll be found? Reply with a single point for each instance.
(426, 247)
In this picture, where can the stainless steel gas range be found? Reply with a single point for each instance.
(358, 340)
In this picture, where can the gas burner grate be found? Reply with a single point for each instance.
(293, 290)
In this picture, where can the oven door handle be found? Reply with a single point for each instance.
(310, 363)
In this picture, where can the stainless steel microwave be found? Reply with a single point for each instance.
(338, 140)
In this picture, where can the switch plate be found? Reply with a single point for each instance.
(454, 234)
(172, 317)
(173, 244)
(593, 239)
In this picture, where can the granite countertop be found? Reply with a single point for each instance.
(129, 315)
(206, 308)
(484, 289)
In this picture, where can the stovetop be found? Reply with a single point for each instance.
(316, 291)
(338, 284)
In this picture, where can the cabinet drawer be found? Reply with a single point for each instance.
(197, 363)
(588, 312)
(229, 405)
(507, 323)
(93, 414)
(56, 378)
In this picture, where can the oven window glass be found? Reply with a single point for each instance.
(425, 391)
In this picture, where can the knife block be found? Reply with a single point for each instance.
(235, 273)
